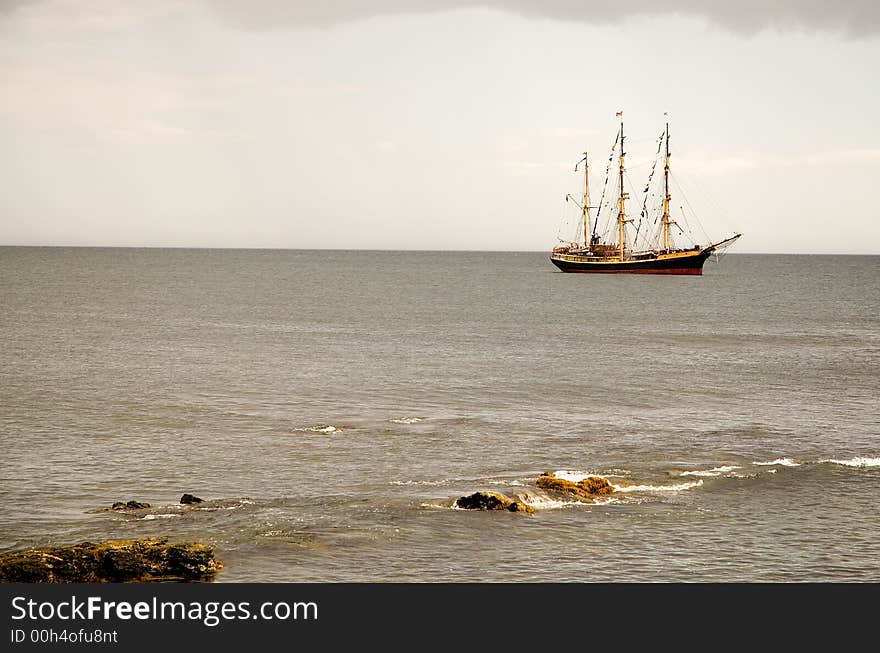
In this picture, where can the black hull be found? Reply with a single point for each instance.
(681, 264)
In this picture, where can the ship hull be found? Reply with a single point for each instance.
(690, 263)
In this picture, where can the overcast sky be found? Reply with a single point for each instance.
(430, 124)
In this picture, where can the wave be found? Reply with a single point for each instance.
(449, 481)
(510, 483)
(542, 502)
(785, 462)
(577, 476)
(406, 420)
(440, 505)
(715, 471)
(164, 515)
(658, 488)
(536, 501)
(443, 481)
(858, 461)
(320, 428)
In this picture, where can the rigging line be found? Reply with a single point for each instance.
(631, 140)
(691, 231)
(644, 214)
(563, 223)
(653, 168)
(691, 208)
(605, 185)
(717, 209)
(687, 225)
(632, 192)
(693, 213)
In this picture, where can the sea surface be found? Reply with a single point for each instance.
(330, 406)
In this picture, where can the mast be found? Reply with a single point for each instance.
(666, 196)
(586, 202)
(621, 212)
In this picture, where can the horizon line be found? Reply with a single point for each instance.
(373, 249)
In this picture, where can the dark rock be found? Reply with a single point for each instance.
(189, 498)
(585, 489)
(491, 501)
(130, 505)
(113, 561)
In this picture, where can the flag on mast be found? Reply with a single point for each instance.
(619, 113)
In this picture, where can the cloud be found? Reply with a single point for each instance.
(850, 17)
(65, 16)
(10, 6)
(706, 164)
(106, 104)
(859, 18)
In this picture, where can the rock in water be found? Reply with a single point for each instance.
(585, 489)
(189, 498)
(491, 501)
(113, 561)
(129, 505)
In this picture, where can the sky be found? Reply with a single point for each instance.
(431, 124)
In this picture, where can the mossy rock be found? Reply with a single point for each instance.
(585, 489)
(491, 501)
(113, 561)
(129, 505)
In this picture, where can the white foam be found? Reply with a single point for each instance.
(443, 481)
(439, 506)
(574, 476)
(785, 462)
(406, 420)
(715, 471)
(321, 428)
(544, 503)
(505, 482)
(658, 488)
(160, 516)
(858, 461)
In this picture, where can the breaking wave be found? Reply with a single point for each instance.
(406, 420)
(715, 471)
(858, 461)
(536, 501)
(443, 481)
(441, 505)
(785, 462)
(576, 476)
(658, 488)
(450, 481)
(541, 502)
(320, 428)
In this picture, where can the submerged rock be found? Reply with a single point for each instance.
(113, 561)
(491, 501)
(189, 498)
(585, 489)
(129, 505)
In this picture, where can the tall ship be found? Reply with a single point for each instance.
(650, 242)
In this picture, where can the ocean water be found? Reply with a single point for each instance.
(330, 406)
